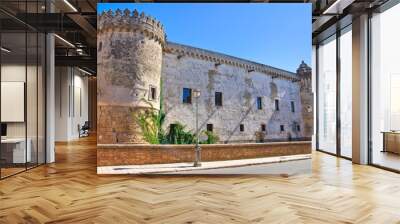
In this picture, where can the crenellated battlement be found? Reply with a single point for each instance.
(219, 58)
(130, 21)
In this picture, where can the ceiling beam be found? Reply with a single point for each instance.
(83, 61)
(84, 24)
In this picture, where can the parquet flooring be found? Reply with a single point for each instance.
(69, 191)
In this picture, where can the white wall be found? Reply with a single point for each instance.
(16, 73)
(71, 102)
(33, 126)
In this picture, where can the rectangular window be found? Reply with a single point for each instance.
(241, 127)
(282, 128)
(218, 99)
(259, 103)
(298, 127)
(153, 93)
(210, 127)
(187, 96)
(292, 106)
(277, 105)
(263, 128)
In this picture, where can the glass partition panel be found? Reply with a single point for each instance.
(31, 98)
(346, 92)
(385, 89)
(327, 95)
(41, 99)
(22, 63)
(14, 154)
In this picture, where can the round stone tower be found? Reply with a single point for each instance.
(307, 98)
(129, 59)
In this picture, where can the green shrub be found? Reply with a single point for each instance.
(212, 138)
(151, 121)
(178, 135)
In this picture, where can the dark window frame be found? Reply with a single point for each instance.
(187, 99)
(152, 93)
(276, 104)
(171, 127)
(292, 106)
(282, 128)
(259, 103)
(263, 127)
(218, 99)
(241, 127)
(210, 127)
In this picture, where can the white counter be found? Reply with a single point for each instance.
(18, 144)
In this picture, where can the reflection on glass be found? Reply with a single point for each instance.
(346, 92)
(385, 86)
(13, 86)
(22, 90)
(327, 95)
(31, 100)
(41, 98)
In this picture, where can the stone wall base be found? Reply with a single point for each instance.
(117, 125)
(130, 154)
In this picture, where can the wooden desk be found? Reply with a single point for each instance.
(13, 150)
(391, 141)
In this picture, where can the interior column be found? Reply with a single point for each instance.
(360, 90)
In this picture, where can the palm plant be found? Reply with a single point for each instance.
(151, 121)
(178, 135)
(212, 138)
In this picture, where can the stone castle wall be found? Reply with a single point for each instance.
(129, 63)
(240, 84)
(133, 57)
(307, 98)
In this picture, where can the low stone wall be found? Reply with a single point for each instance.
(130, 154)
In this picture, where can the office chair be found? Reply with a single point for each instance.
(84, 130)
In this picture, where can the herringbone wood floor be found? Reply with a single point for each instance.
(69, 191)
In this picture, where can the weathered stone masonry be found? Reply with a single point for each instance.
(129, 62)
(133, 57)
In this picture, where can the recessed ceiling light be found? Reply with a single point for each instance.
(84, 71)
(337, 7)
(70, 5)
(5, 50)
(65, 41)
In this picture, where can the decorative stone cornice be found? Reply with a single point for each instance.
(219, 58)
(128, 21)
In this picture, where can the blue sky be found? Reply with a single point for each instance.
(278, 35)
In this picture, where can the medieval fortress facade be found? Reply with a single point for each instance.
(240, 100)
